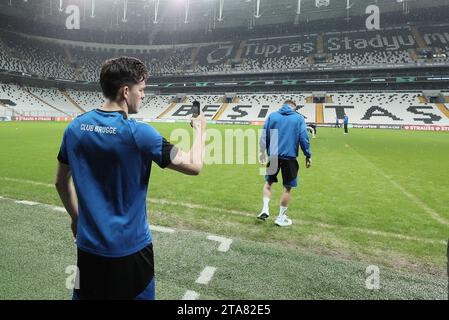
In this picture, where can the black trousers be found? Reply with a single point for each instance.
(346, 128)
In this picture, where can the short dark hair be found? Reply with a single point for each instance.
(119, 72)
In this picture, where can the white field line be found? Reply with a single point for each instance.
(208, 272)
(191, 295)
(199, 206)
(372, 232)
(61, 209)
(314, 224)
(433, 214)
(162, 229)
(28, 182)
(28, 203)
(206, 275)
(225, 243)
(251, 215)
(156, 201)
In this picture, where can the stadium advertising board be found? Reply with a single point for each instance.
(426, 128)
(42, 118)
(62, 119)
(232, 122)
(31, 118)
(377, 126)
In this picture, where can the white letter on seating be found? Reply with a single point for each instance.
(373, 21)
(73, 21)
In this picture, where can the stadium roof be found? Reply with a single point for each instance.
(144, 15)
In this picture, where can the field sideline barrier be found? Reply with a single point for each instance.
(42, 118)
(425, 128)
(411, 127)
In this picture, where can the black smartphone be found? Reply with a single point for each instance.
(196, 109)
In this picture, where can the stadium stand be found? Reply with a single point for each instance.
(159, 62)
(336, 50)
(380, 108)
(204, 99)
(370, 48)
(56, 99)
(381, 99)
(363, 108)
(183, 111)
(8, 61)
(396, 45)
(153, 106)
(21, 102)
(38, 57)
(87, 100)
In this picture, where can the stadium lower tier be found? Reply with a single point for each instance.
(363, 108)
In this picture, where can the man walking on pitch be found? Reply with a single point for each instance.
(283, 132)
(109, 157)
(346, 122)
(312, 129)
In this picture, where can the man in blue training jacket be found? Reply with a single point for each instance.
(346, 122)
(109, 157)
(283, 132)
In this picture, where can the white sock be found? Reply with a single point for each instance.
(283, 211)
(266, 207)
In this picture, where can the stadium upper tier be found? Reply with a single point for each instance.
(403, 46)
(388, 108)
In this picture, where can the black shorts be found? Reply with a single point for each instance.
(124, 278)
(289, 169)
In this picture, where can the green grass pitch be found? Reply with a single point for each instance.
(373, 197)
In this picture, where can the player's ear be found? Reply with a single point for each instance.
(123, 92)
